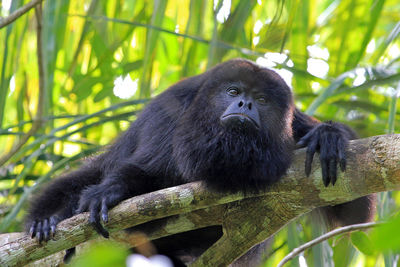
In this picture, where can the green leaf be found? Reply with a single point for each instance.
(103, 93)
(390, 39)
(151, 44)
(128, 67)
(343, 251)
(375, 15)
(362, 242)
(102, 255)
(327, 93)
(387, 236)
(393, 109)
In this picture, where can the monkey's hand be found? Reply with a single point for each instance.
(330, 140)
(44, 229)
(98, 199)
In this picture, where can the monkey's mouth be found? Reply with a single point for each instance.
(239, 120)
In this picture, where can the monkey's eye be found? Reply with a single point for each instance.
(233, 91)
(262, 99)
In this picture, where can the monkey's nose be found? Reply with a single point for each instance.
(243, 103)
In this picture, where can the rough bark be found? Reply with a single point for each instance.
(373, 166)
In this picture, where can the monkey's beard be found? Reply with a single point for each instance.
(231, 159)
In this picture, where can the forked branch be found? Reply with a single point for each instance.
(373, 166)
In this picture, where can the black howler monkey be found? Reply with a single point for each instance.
(233, 126)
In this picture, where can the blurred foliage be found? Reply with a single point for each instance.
(342, 59)
(105, 254)
(383, 237)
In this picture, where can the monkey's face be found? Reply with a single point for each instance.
(243, 107)
(248, 98)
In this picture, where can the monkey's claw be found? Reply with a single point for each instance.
(330, 140)
(97, 199)
(44, 230)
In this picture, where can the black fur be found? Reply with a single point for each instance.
(180, 137)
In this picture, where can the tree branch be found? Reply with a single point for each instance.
(373, 166)
(346, 229)
(18, 13)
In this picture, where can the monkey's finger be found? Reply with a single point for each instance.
(327, 152)
(46, 230)
(305, 140)
(94, 211)
(325, 174)
(311, 148)
(300, 144)
(32, 230)
(94, 219)
(83, 206)
(53, 224)
(333, 170)
(104, 210)
(39, 235)
(100, 229)
(342, 163)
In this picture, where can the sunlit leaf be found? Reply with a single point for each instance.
(362, 242)
(387, 236)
